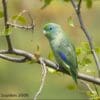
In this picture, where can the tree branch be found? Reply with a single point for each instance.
(31, 27)
(19, 60)
(26, 56)
(6, 25)
(28, 27)
(44, 74)
(87, 34)
(18, 52)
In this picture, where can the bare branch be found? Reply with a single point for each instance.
(18, 16)
(79, 5)
(4, 3)
(87, 85)
(28, 56)
(80, 75)
(89, 78)
(87, 34)
(44, 73)
(96, 89)
(19, 53)
(31, 27)
(19, 60)
(28, 27)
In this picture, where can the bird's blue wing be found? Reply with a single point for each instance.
(63, 57)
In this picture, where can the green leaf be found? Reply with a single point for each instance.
(50, 56)
(86, 61)
(6, 32)
(51, 70)
(97, 49)
(93, 95)
(88, 71)
(89, 3)
(70, 21)
(21, 19)
(46, 3)
(71, 87)
(86, 47)
(32, 62)
(1, 14)
(78, 51)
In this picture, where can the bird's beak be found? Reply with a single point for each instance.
(44, 32)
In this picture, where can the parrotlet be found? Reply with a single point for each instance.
(63, 49)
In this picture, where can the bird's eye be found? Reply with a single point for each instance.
(50, 28)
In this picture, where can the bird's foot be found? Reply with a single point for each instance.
(58, 66)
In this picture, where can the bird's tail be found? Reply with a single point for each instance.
(74, 76)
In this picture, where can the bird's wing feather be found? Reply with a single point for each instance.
(66, 52)
(70, 68)
(63, 57)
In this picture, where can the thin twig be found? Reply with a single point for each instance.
(4, 3)
(87, 85)
(31, 20)
(96, 89)
(44, 73)
(79, 5)
(20, 14)
(31, 27)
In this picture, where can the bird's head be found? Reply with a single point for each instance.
(51, 30)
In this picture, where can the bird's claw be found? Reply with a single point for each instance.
(57, 66)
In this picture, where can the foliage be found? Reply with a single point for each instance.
(19, 18)
(46, 3)
(1, 14)
(84, 54)
(93, 95)
(70, 21)
(84, 60)
(51, 57)
(6, 32)
(89, 3)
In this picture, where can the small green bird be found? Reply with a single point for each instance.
(63, 49)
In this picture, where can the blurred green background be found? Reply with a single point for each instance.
(25, 78)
